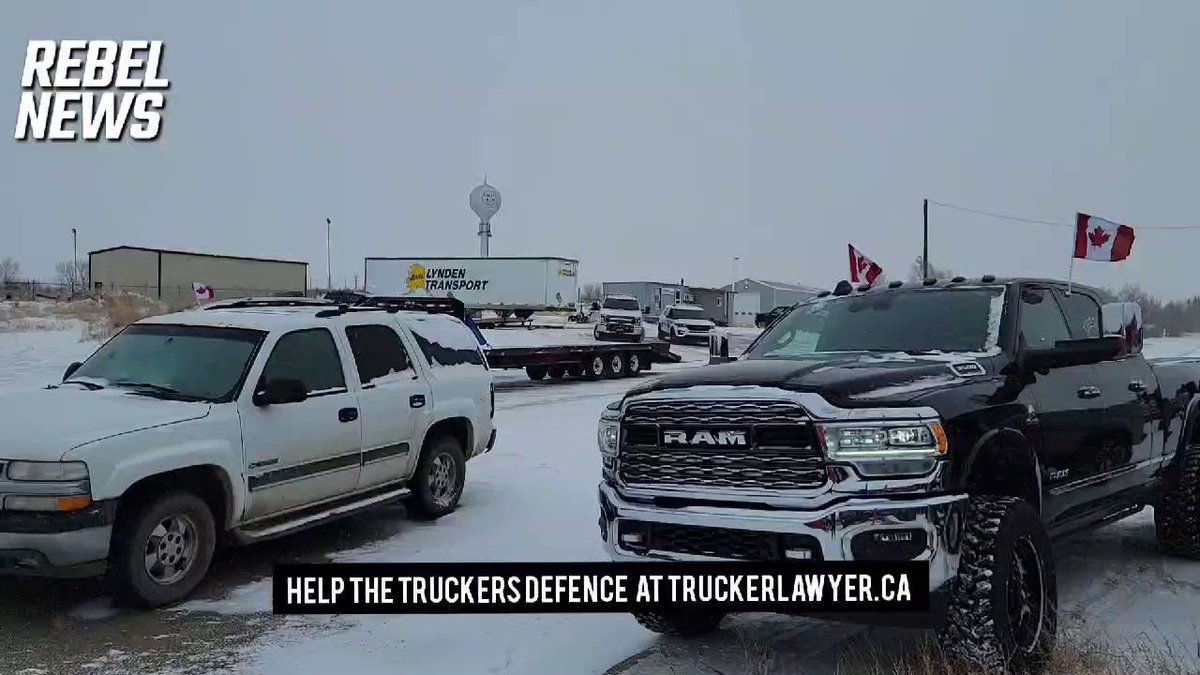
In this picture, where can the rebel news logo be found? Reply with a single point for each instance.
(92, 90)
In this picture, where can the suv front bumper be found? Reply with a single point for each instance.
(64, 545)
(831, 533)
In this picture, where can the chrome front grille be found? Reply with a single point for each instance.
(781, 450)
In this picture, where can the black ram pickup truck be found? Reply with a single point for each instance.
(961, 422)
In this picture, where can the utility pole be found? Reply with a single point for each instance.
(74, 258)
(328, 256)
(733, 289)
(925, 248)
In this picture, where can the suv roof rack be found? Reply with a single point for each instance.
(242, 303)
(393, 304)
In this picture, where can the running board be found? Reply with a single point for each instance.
(290, 523)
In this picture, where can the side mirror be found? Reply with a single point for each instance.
(280, 391)
(718, 348)
(71, 370)
(1066, 353)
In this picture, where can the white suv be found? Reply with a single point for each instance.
(684, 322)
(620, 316)
(235, 423)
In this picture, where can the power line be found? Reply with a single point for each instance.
(1048, 223)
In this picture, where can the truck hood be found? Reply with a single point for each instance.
(850, 380)
(44, 424)
(621, 313)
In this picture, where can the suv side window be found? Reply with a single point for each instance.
(377, 351)
(309, 356)
(1083, 314)
(1042, 322)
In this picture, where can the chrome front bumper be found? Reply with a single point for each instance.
(832, 528)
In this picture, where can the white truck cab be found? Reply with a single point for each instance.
(620, 317)
(684, 322)
(238, 422)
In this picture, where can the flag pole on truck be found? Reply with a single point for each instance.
(485, 202)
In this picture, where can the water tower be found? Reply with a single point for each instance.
(485, 202)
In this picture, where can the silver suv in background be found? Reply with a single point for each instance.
(684, 322)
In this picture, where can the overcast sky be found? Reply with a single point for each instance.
(650, 140)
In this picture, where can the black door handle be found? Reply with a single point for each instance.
(347, 414)
(1089, 392)
(416, 401)
(1137, 385)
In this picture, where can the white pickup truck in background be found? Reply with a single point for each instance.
(620, 318)
(238, 423)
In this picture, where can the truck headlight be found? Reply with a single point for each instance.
(886, 449)
(609, 432)
(47, 471)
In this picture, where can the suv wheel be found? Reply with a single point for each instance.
(161, 549)
(1177, 514)
(680, 624)
(439, 479)
(1002, 612)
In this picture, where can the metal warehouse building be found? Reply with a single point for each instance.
(755, 296)
(655, 296)
(169, 275)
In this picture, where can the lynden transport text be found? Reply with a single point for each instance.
(92, 90)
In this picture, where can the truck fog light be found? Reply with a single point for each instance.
(798, 554)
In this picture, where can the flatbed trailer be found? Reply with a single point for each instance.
(583, 360)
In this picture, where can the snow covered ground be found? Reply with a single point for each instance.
(532, 498)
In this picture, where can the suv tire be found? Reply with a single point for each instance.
(1006, 560)
(680, 624)
(1177, 514)
(439, 479)
(177, 527)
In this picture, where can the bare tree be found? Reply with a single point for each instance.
(592, 292)
(72, 274)
(9, 271)
(917, 271)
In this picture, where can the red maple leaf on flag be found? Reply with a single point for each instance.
(1098, 237)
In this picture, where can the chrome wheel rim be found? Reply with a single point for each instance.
(1026, 595)
(170, 551)
(616, 363)
(634, 363)
(597, 366)
(443, 479)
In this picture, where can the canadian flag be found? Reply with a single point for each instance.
(204, 293)
(1100, 239)
(862, 268)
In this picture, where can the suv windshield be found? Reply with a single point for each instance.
(182, 362)
(933, 320)
(688, 313)
(621, 303)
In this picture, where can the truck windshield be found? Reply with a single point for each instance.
(917, 321)
(688, 313)
(621, 303)
(198, 363)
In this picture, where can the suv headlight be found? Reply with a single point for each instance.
(609, 431)
(47, 471)
(883, 449)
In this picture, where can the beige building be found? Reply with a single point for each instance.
(169, 275)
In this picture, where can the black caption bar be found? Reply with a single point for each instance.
(523, 588)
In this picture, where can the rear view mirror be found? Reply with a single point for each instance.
(71, 370)
(1066, 353)
(280, 391)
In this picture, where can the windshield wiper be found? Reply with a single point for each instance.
(93, 386)
(151, 388)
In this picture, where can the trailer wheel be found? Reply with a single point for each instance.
(575, 370)
(535, 373)
(633, 365)
(614, 365)
(594, 368)
(556, 372)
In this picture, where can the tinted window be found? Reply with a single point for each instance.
(1042, 322)
(621, 303)
(377, 350)
(688, 313)
(1083, 314)
(309, 356)
(946, 320)
(445, 341)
